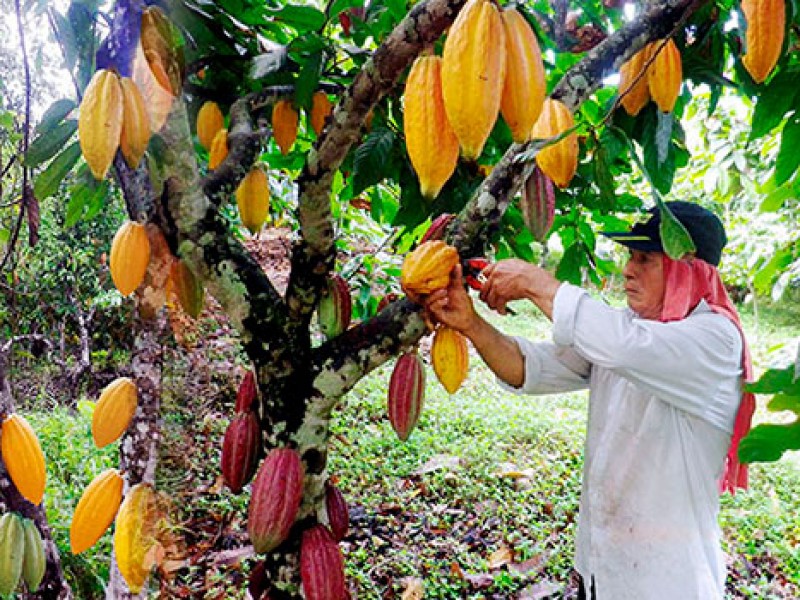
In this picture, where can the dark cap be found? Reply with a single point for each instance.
(703, 226)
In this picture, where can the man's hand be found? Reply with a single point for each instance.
(452, 305)
(515, 279)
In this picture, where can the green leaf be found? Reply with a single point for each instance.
(788, 155)
(340, 5)
(373, 159)
(48, 181)
(569, 269)
(774, 381)
(774, 200)
(659, 172)
(773, 103)
(781, 402)
(604, 178)
(768, 442)
(44, 147)
(56, 113)
(663, 136)
(302, 18)
(308, 80)
(766, 275)
(674, 237)
(86, 199)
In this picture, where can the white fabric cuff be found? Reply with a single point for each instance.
(565, 313)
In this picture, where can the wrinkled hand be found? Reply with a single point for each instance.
(451, 306)
(508, 280)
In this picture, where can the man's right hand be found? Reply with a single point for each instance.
(452, 305)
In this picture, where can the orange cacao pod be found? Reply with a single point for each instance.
(633, 76)
(219, 149)
(100, 121)
(130, 255)
(338, 513)
(114, 411)
(406, 393)
(321, 565)
(560, 160)
(96, 510)
(209, 122)
(158, 39)
(766, 23)
(275, 499)
(525, 87)
(247, 392)
(22, 455)
(252, 198)
(438, 228)
(666, 75)
(134, 535)
(240, 450)
(284, 125)
(335, 307)
(450, 357)
(538, 204)
(473, 72)
(432, 145)
(321, 108)
(188, 288)
(428, 267)
(135, 133)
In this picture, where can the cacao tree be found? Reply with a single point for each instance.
(206, 101)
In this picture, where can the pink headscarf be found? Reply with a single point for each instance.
(686, 283)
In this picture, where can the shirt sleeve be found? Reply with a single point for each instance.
(550, 369)
(682, 362)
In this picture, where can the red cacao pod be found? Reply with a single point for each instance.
(275, 499)
(247, 393)
(438, 228)
(240, 450)
(335, 307)
(538, 204)
(386, 301)
(321, 565)
(406, 393)
(338, 513)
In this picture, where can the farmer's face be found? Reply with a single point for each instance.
(644, 283)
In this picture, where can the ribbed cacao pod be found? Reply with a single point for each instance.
(666, 75)
(159, 39)
(252, 198)
(633, 88)
(450, 357)
(321, 108)
(135, 124)
(130, 255)
(209, 123)
(338, 513)
(247, 392)
(538, 204)
(114, 411)
(100, 121)
(432, 145)
(766, 24)
(22, 455)
(188, 288)
(321, 565)
(275, 499)
(240, 450)
(134, 535)
(428, 267)
(95, 510)
(34, 562)
(386, 301)
(438, 228)
(12, 552)
(284, 125)
(560, 160)
(525, 87)
(335, 307)
(219, 149)
(406, 393)
(473, 72)
(158, 99)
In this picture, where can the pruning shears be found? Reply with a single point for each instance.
(473, 269)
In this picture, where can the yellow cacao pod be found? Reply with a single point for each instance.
(130, 255)
(96, 510)
(187, 287)
(633, 87)
(252, 198)
(450, 357)
(766, 23)
(432, 144)
(560, 160)
(22, 455)
(135, 123)
(100, 121)
(134, 535)
(525, 87)
(114, 411)
(209, 121)
(219, 149)
(284, 125)
(321, 108)
(666, 75)
(428, 267)
(473, 72)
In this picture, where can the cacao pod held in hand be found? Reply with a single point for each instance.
(428, 267)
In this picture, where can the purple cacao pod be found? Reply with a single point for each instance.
(438, 228)
(338, 513)
(322, 565)
(247, 393)
(240, 450)
(538, 204)
(406, 393)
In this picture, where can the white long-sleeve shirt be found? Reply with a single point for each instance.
(663, 398)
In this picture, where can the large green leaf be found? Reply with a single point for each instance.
(308, 80)
(374, 159)
(49, 142)
(674, 237)
(302, 18)
(768, 442)
(773, 103)
(48, 181)
(57, 112)
(789, 153)
(774, 381)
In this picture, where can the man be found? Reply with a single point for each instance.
(665, 384)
